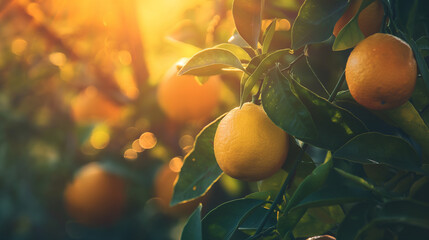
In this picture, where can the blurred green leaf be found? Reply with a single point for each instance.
(317, 221)
(419, 189)
(222, 222)
(210, 61)
(316, 20)
(252, 221)
(423, 45)
(420, 97)
(192, 229)
(373, 147)
(334, 125)
(311, 183)
(350, 34)
(236, 50)
(284, 108)
(421, 63)
(247, 18)
(355, 219)
(200, 169)
(268, 36)
(408, 119)
(268, 62)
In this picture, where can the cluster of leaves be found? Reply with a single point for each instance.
(370, 180)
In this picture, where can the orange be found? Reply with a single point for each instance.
(369, 19)
(183, 99)
(95, 197)
(92, 106)
(164, 187)
(381, 72)
(248, 145)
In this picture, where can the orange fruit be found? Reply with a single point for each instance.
(92, 106)
(369, 20)
(95, 197)
(183, 99)
(381, 72)
(248, 145)
(164, 186)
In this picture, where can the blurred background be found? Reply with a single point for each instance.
(93, 122)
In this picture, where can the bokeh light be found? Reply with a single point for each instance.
(147, 140)
(18, 46)
(130, 154)
(176, 164)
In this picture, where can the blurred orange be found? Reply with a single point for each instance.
(183, 99)
(92, 106)
(164, 186)
(95, 197)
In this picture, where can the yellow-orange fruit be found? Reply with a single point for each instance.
(248, 145)
(381, 72)
(164, 186)
(95, 197)
(183, 99)
(369, 19)
(92, 106)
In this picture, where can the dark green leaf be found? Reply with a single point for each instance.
(223, 221)
(420, 97)
(423, 45)
(354, 221)
(284, 108)
(267, 63)
(200, 169)
(317, 221)
(192, 229)
(335, 125)
(421, 63)
(408, 119)
(350, 34)
(210, 61)
(316, 20)
(373, 147)
(247, 19)
(268, 36)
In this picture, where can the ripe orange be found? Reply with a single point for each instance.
(248, 145)
(381, 72)
(92, 106)
(164, 186)
(369, 20)
(183, 99)
(95, 197)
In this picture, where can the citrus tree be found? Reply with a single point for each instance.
(332, 123)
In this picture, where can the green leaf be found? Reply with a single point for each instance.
(354, 221)
(316, 20)
(268, 36)
(408, 119)
(311, 183)
(423, 45)
(420, 97)
(236, 50)
(268, 62)
(373, 147)
(421, 63)
(210, 61)
(200, 169)
(336, 190)
(317, 221)
(192, 229)
(222, 222)
(247, 18)
(350, 34)
(284, 108)
(335, 125)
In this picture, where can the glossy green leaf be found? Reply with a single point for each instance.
(268, 62)
(316, 20)
(268, 36)
(236, 50)
(373, 147)
(252, 221)
(336, 190)
(284, 108)
(408, 119)
(317, 221)
(247, 18)
(350, 34)
(210, 61)
(192, 229)
(200, 169)
(222, 222)
(334, 124)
